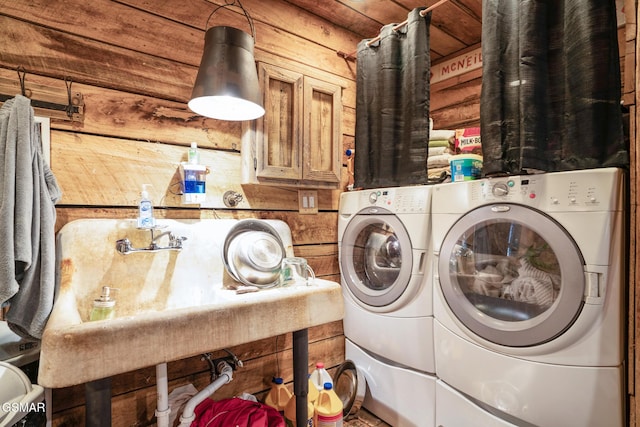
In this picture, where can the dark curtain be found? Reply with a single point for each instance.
(551, 86)
(392, 106)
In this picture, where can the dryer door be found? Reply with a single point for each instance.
(376, 257)
(512, 275)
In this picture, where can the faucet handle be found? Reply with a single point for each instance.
(176, 242)
(123, 246)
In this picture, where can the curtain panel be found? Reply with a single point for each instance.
(551, 86)
(392, 106)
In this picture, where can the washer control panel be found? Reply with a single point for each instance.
(401, 199)
(580, 190)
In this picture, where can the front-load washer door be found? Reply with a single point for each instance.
(512, 275)
(376, 257)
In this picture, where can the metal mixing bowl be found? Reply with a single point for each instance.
(256, 257)
(253, 253)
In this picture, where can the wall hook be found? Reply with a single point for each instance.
(68, 82)
(22, 75)
(231, 198)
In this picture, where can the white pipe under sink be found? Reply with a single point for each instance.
(188, 414)
(162, 386)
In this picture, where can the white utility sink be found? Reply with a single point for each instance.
(170, 304)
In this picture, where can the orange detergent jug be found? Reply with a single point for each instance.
(278, 396)
(290, 412)
(328, 408)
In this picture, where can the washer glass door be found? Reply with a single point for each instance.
(376, 257)
(512, 275)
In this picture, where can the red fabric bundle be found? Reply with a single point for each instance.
(236, 412)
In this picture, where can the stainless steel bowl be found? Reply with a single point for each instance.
(253, 252)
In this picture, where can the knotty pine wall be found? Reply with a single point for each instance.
(134, 62)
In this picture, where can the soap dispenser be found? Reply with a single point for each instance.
(193, 177)
(145, 210)
(103, 307)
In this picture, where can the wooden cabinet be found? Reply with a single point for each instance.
(298, 141)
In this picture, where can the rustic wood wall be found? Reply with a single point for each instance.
(134, 62)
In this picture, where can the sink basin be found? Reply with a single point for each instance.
(169, 304)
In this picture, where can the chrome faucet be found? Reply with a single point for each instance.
(124, 246)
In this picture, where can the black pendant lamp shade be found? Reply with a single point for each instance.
(226, 86)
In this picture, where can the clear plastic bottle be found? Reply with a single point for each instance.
(193, 157)
(278, 396)
(328, 408)
(103, 307)
(145, 210)
(320, 376)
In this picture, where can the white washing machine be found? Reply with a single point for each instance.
(529, 295)
(384, 239)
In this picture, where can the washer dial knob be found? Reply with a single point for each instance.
(373, 197)
(500, 189)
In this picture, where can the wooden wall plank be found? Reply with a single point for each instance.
(179, 66)
(308, 26)
(59, 54)
(83, 163)
(463, 115)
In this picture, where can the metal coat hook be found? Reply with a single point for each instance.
(48, 103)
(68, 82)
(22, 75)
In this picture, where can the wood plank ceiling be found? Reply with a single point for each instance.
(455, 24)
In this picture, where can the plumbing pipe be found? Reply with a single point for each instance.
(97, 396)
(162, 385)
(301, 374)
(48, 398)
(225, 377)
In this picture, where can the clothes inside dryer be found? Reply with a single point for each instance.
(506, 261)
(504, 271)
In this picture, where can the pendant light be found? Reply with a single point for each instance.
(226, 86)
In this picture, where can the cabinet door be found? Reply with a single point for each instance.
(322, 133)
(278, 137)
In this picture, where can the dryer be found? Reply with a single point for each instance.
(385, 254)
(529, 295)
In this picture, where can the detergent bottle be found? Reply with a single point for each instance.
(328, 408)
(312, 393)
(320, 376)
(290, 412)
(278, 396)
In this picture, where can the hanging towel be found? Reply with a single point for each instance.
(28, 193)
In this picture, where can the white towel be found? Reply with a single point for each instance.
(28, 193)
(441, 160)
(178, 398)
(441, 134)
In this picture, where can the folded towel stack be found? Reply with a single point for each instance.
(440, 143)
